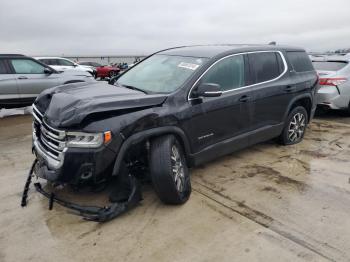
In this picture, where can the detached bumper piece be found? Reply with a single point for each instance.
(91, 213)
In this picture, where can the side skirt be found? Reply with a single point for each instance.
(236, 143)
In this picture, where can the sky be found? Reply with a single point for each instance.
(140, 27)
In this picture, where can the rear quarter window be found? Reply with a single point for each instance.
(64, 62)
(3, 68)
(265, 66)
(300, 61)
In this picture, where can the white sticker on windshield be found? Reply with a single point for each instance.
(188, 66)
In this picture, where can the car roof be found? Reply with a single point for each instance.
(50, 57)
(11, 55)
(209, 51)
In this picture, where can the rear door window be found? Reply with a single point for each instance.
(265, 66)
(329, 65)
(45, 61)
(300, 61)
(228, 73)
(27, 66)
(49, 61)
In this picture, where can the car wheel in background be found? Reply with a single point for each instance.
(169, 171)
(295, 126)
(112, 74)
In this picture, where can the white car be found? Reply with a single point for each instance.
(62, 64)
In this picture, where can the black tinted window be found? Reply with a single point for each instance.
(3, 69)
(300, 61)
(49, 61)
(265, 66)
(228, 73)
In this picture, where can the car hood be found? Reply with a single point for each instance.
(68, 105)
(72, 72)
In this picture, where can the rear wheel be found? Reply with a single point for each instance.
(295, 126)
(169, 171)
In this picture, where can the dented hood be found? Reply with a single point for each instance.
(68, 105)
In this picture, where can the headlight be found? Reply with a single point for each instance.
(89, 140)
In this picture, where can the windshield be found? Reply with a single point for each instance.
(329, 65)
(161, 73)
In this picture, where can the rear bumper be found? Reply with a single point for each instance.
(330, 97)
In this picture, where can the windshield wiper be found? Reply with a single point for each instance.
(134, 88)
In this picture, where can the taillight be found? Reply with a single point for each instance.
(335, 81)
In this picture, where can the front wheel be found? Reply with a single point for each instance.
(169, 171)
(294, 129)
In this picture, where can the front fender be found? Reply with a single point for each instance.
(147, 134)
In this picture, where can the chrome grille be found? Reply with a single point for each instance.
(52, 141)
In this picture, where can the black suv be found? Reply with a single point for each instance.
(176, 109)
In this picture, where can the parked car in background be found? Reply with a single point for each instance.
(102, 71)
(107, 71)
(334, 74)
(178, 108)
(137, 60)
(90, 64)
(22, 78)
(63, 64)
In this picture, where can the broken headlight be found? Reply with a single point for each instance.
(80, 139)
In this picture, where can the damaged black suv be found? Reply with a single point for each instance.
(176, 109)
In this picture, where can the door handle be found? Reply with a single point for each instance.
(22, 77)
(244, 98)
(289, 89)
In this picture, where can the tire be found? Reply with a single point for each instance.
(295, 126)
(112, 74)
(112, 80)
(167, 155)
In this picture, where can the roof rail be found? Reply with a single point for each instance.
(11, 55)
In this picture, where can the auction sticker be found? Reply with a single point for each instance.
(188, 66)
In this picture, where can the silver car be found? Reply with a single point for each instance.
(22, 78)
(334, 91)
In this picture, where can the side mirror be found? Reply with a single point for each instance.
(47, 71)
(113, 79)
(75, 65)
(208, 90)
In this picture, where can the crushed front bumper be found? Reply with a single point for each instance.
(91, 213)
(77, 165)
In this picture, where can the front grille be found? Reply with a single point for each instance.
(51, 140)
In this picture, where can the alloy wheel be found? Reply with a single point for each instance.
(177, 168)
(296, 127)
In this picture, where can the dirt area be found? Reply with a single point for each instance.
(265, 203)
